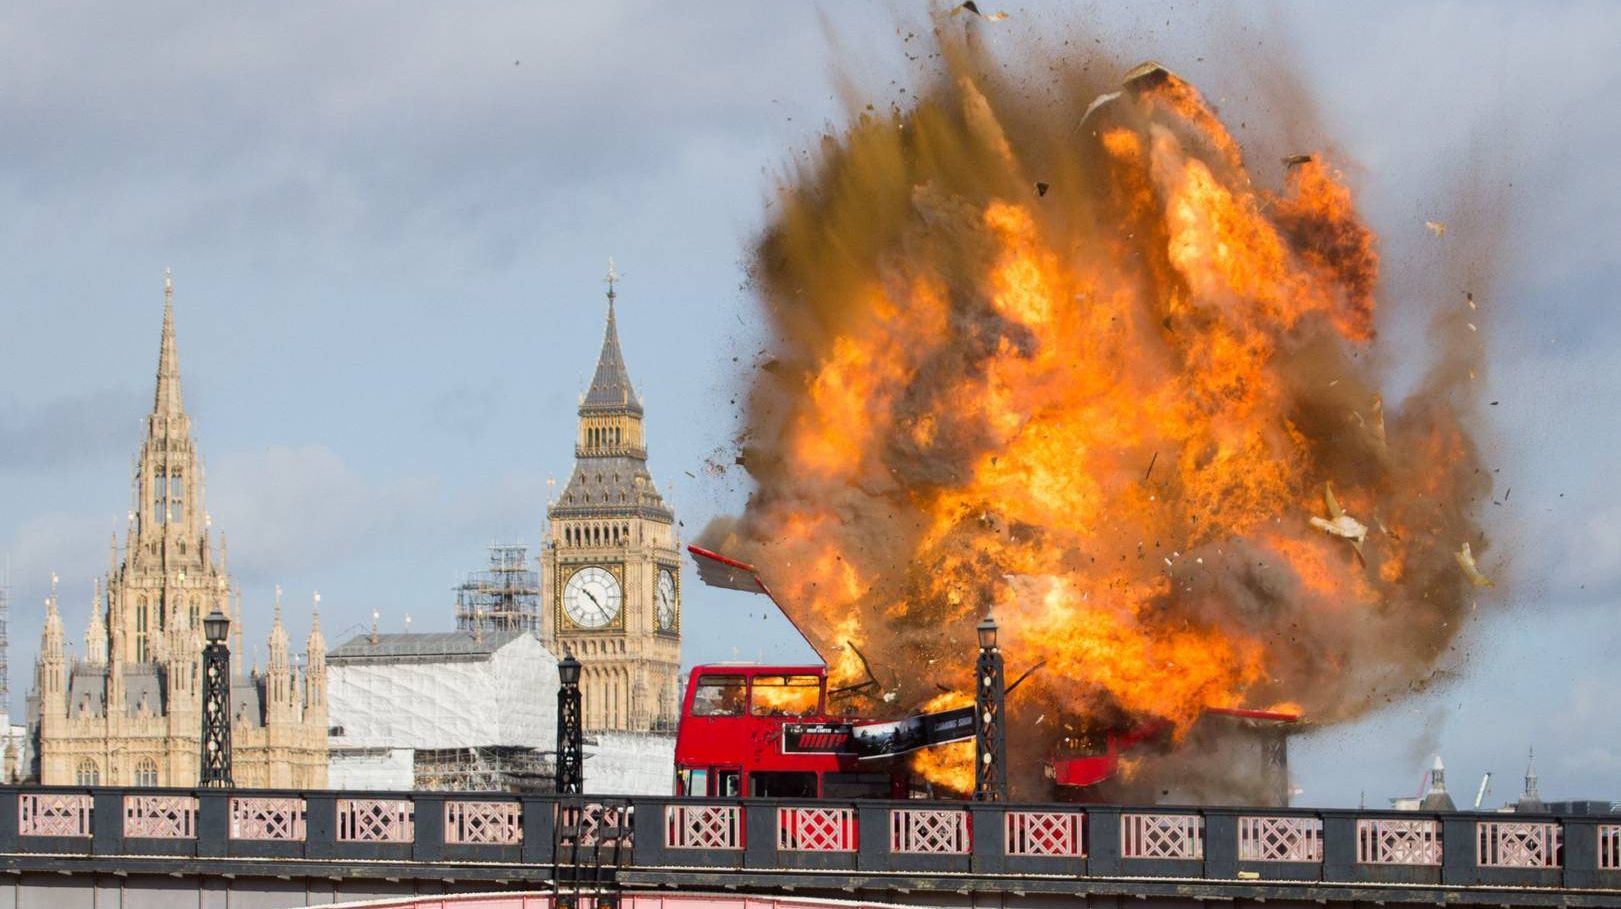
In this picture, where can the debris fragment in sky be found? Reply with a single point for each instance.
(1466, 561)
(1439, 228)
(1340, 524)
(1297, 160)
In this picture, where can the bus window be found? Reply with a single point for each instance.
(719, 695)
(785, 695)
(728, 782)
(782, 785)
(1085, 743)
(692, 782)
(857, 786)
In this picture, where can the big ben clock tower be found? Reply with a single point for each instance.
(611, 562)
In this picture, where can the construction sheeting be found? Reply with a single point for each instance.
(505, 696)
(370, 768)
(630, 763)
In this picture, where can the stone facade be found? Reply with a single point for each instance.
(129, 712)
(611, 562)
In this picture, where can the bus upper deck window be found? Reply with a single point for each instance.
(719, 695)
(786, 695)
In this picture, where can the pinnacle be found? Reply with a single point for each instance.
(166, 401)
(610, 387)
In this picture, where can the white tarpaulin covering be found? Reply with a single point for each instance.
(630, 763)
(442, 690)
(370, 768)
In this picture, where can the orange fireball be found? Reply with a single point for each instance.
(1107, 412)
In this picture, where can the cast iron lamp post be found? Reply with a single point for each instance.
(570, 751)
(216, 744)
(990, 744)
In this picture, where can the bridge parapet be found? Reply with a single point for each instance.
(506, 836)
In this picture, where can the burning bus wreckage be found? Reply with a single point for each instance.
(1084, 373)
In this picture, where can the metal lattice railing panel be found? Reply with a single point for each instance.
(929, 831)
(1513, 844)
(703, 827)
(816, 829)
(1054, 833)
(1162, 836)
(274, 819)
(1280, 839)
(1609, 847)
(1387, 841)
(53, 815)
(594, 824)
(475, 823)
(160, 817)
(376, 821)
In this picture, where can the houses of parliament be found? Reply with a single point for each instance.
(128, 711)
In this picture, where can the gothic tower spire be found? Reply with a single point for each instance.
(166, 402)
(610, 386)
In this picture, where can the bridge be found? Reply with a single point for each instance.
(109, 848)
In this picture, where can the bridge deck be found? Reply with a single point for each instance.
(927, 852)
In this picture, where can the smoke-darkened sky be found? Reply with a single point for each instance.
(389, 224)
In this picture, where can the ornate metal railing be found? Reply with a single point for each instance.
(1280, 839)
(1162, 836)
(912, 840)
(1392, 841)
(1609, 847)
(929, 831)
(804, 829)
(160, 817)
(703, 827)
(1511, 844)
(479, 823)
(267, 819)
(1045, 833)
(376, 821)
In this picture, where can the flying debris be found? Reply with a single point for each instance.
(973, 7)
(1041, 188)
(1469, 297)
(1297, 160)
(1439, 228)
(1466, 561)
(1340, 524)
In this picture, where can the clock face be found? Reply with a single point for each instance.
(665, 600)
(592, 597)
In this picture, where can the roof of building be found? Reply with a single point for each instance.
(430, 646)
(610, 387)
(144, 684)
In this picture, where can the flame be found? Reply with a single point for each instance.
(949, 767)
(1106, 413)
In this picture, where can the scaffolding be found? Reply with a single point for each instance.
(503, 597)
(490, 768)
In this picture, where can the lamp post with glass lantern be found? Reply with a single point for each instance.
(990, 742)
(216, 744)
(570, 746)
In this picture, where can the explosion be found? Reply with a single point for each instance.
(1066, 361)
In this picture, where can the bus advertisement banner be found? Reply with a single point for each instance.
(878, 740)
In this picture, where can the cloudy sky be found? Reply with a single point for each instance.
(389, 224)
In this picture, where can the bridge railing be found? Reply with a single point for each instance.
(773, 835)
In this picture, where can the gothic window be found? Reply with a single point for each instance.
(146, 772)
(177, 495)
(88, 774)
(140, 632)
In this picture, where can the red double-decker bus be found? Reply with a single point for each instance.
(739, 721)
(748, 730)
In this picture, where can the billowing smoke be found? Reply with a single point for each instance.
(1058, 355)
